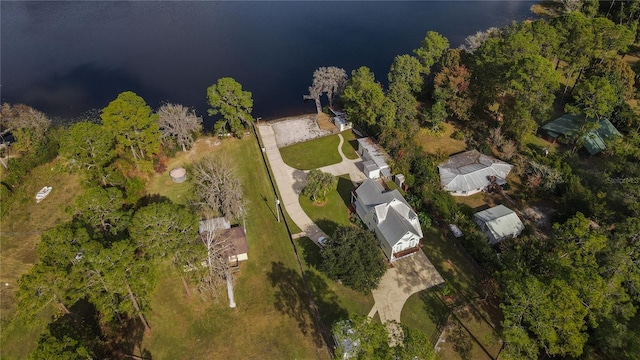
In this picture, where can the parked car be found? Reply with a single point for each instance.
(322, 241)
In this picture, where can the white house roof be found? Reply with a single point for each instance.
(395, 216)
(501, 221)
(471, 170)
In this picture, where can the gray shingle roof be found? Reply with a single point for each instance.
(501, 221)
(395, 215)
(471, 170)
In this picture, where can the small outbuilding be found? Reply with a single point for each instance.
(499, 223)
(594, 141)
(178, 175)
(374, 158)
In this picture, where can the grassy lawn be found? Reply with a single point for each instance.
(473, 201)
(20, 230)
(335, 211)
(538, 144)
(271, 319)
(336, 301)
(443, 143)
(350, 145)
(312, 154)
(471, 330)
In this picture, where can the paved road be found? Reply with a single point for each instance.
(408, 276)
(346, 166)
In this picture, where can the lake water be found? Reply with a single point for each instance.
(68, 57)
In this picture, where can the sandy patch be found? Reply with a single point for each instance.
(296, 129)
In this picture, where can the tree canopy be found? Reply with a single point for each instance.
(318, 185)
(353, 256)
(227, 98)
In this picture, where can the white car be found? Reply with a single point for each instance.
(322, 241)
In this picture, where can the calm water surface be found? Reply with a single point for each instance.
(68, 57)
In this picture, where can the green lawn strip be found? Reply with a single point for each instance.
(312, 154)
(268, 290)
(350, 145)
(335, 211)
(335, 301)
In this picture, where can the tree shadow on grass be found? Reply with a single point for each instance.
(344, 188)
(328, 226)
(292, 298)
(310, 252)
(435, 308)
(326, 299)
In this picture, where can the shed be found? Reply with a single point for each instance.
(499, 223)
(238, 249)
(569, 125)
(178, 175)
(341, 123)
(399, 179)
(370, 150)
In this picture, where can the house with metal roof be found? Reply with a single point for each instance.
(499, 223)
(570, 125)
(390, 217)
(374, 158)
(470, 172)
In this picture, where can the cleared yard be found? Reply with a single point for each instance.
(443, 143)
(20, 230)
(470, 330)
(268, 290)
(335, 211)
(312, 154)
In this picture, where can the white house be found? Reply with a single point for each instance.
(374, 158)
(390, 217)
(470, 172)
(499, 223)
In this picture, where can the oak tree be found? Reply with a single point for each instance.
(179, 123)
(227, 98)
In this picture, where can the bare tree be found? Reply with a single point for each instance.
(180, 123)
(496, 137)
(217, 188)
(509, 149)
(330, 80)
(215, 267)
(473, 42)
(27, 124)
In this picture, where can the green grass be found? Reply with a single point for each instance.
(424, 311)
(335, 301)
(350, 145)
(334, 212)
(443, 143)
(20, 230)
(312, 154)
(271, 319)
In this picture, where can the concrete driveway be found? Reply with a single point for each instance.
(291, 181)
(408, 276)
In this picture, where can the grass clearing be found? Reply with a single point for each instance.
(335, 301)
(271, 319)
(474, 201)
(443, 143)
(312, 154)
(20, 228)
(350, 145)
(335, 212)
(424, 311)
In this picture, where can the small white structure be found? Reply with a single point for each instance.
(374, 158)
(341, 123)
(178, 175)
(455, 230)
(43, 193)
(390, 217)
(399, 179)
(499, 223)
(470, 172)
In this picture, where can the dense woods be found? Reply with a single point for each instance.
(571, 290)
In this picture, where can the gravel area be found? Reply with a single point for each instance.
(296, 129)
